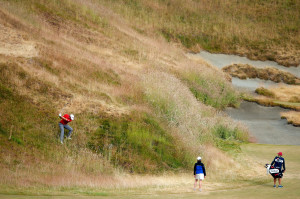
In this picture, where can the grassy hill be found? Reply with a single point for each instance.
(141, 106)
(265, 30)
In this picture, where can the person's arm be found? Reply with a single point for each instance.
(273, 161)
(195, 169)
(204, 170)
(62, 117)
(283, 165)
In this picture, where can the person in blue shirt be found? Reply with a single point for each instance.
(199, 173)
(278, 163)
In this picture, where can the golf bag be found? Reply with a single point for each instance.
(275, 173)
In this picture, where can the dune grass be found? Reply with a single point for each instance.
(293, 117)
(260, 30)
(283, 96)
(99, 72)
(191, 121)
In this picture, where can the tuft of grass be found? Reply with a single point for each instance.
(47, 65)
(265, 92)
(292, 117)
(5, 93)
(3, 131)
(226, 133)
(211, 90)
(109, 77)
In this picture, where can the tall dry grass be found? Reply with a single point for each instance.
(191, 121)
(96, 66)
(260, 30)
(292, 117)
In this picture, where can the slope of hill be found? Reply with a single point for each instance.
(264, 30)
(140, 105)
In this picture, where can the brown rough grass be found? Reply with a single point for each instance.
(98, 69)
(293, 117)
(244, 71)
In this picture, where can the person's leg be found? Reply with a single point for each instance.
(62, 132)
(279, 181)
(70, 130)
(274, 182)
(200, 184)
(195, 184)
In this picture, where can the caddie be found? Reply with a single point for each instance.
(278, 163)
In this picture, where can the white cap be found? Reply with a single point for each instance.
(199, 158)
(72, 117)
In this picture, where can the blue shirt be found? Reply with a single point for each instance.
(278, 162)
(199, 168)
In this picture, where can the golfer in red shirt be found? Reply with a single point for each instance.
(63, 124)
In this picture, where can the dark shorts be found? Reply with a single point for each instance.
(278, 175)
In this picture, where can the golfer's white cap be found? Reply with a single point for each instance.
(72, 117)
(199, 158)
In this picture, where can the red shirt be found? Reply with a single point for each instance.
(64, 122)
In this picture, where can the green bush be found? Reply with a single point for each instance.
(138, 144)
(229, 139)
(225, 133)
(212, 92)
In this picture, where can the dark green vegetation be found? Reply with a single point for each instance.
(138, 144)
(227, 139)
(22, 122)
(224, 98)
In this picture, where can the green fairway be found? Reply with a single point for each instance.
(260, 153)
